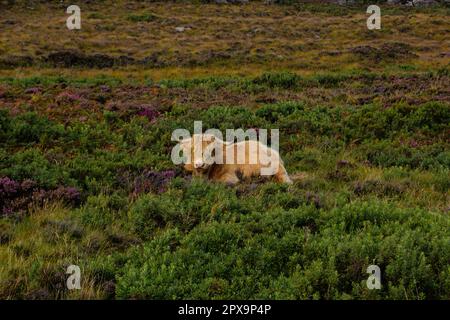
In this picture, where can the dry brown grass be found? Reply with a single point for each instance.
(225, 39)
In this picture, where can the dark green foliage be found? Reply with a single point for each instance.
(371, 121)
(281, 254)
(284, 80)
(274, 112)
(85, 141)
(386, 155)
(101, 211)
(32, 164)
(150, 212)
(28, 128)
(100, 151)
(148, 230)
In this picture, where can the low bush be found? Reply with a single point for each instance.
(300, 253)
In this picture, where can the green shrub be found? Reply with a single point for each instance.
(102, 210)
(149, 213)
(32, 164)
(283, 80)
(273, 112)
(29, 128)
(296, 254)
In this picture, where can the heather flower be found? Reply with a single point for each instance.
(32, 90)
(149, 112)
(153, 181)
(7, 211)
(69, 194)
(112, 106)
(68, 97)
(105, 88)
(413, 144)
(8, 186)
(18, 197)
(39, 196)
(27, 185)
(313, 198)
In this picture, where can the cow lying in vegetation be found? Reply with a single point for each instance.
(211, 157)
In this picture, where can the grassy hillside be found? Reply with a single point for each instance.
(86, 178)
